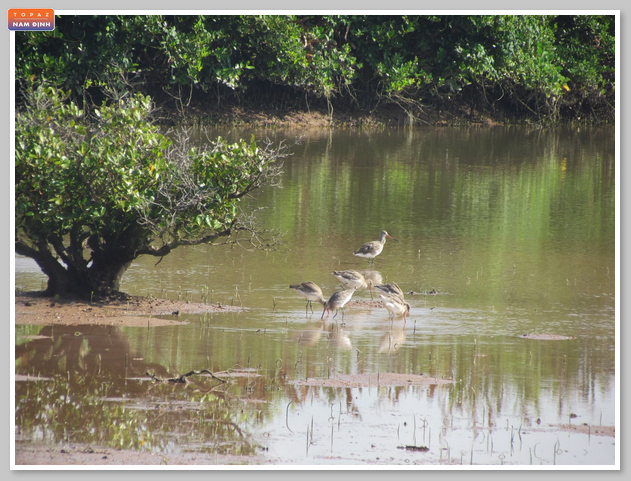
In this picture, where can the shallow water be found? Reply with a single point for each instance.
(513, 228)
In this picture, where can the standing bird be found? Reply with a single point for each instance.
(396, 305)
(374, 248)
(338, 301)
(310, 291)
(390, 290)
(353, 279)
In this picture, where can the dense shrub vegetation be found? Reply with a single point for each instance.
(535, 67)
(93, 194)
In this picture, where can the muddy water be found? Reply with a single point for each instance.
(515, 231)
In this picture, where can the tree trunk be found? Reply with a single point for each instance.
(88, 285)
(91, 284)
(101, 279)
(105, 277)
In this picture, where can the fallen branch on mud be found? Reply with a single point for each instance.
(182, 379)
(420, 449)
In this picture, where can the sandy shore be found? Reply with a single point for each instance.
(32, 308)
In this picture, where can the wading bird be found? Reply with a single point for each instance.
(389, 290)
(310, 291)
(396, 305)
(338, 301)
(372, 249)
(353, 279)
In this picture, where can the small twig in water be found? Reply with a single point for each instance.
(287, 416)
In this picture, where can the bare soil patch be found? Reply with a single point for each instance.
(609, 431)
(33, 308)
(578, 428)
(372, 380)
(232, 114)
(546, 337)
(366, 303)
(30, 455)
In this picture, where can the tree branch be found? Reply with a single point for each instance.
(60, 249)
(167, 248)
(25, 250)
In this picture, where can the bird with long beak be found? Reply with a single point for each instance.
(353, 279)
(396, 305)
(389, 290)
(338, 301)
(372, 249)
(310, 291)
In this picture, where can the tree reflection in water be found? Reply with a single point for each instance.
(85, 385)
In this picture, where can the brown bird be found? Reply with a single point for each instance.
(310, 291)
(351, 278)
(396, 305)
(389, 290)
(338, 301)
(374, 248)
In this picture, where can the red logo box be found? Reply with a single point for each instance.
(32, 19)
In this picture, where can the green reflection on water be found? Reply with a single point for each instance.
(514, 228)
(88, 385)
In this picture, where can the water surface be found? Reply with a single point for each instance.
(513, 228)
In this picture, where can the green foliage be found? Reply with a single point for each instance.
(73, 172)
(111, 181)
(539, 65)
(586, 51)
